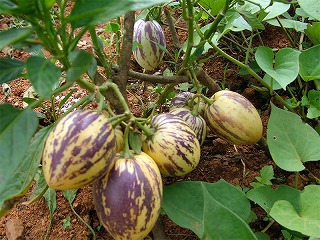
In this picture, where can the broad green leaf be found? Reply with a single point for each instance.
(112, 27)
(217, 220)
(270, 81)
(276, 9)
(312, 7)
(289, 23)
(224, 199)
(283, 68)
(252, 20)
(87, 12)
(40, 188)
(7, 6)
(214, 7)
(13, 35)
(81, 63)
(291, 142)
(313, 32)
(43, 75)
(314, 101)
(265, 196)
(70, 195)
(135, 142)
(306, 220)
(10, 69)
(18, 175)
(51, 200)
(309, 62)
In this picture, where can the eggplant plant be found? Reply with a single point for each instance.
(78, 147)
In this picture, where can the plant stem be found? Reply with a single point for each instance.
(99, 51)
(268, 226)
(83, 221)
(147, 131)
(56, 91)
(190, 19)
(126, 153)
(211, 31)
(110, 85)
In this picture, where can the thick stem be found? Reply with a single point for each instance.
(175, 38)
(121, 78)
(211, 31)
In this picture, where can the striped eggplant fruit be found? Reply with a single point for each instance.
(128, 199)
(119, 138)
(233, 118)
(183, 99)
(80, 149)
(173, 145)
(146, 33)
(195, 122)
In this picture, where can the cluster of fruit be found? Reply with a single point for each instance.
(85, 148)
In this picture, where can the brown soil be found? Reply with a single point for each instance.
(219, 160)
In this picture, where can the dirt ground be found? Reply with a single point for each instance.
(219, 160)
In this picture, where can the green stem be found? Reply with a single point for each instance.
(56, 91)
(213, 28)
(126, 153)
(119, 95)
(147, 131)
(99, 51)
(83, 221)
(83, 101)
(190, 43)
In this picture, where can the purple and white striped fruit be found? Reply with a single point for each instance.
(79, 149)
(183, 99)
(173, 145)
(119, 138)
(233, 118)
(148, 54)
(195, 122)
(128, 199)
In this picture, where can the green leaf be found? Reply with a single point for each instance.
(87, 12)
(306, 220)
(289, 23)
(43, 75)
(135, 142)
(313, 32)
(13, 35)
(309, 62)
(270, 81)
(211, 210)
(70, 195)
(17, 175)
(81, 62)
(283, 68)
(266, 175)
(312, 7)
(252, 20)
(265, 196)
(213, 6)
(51, 200)
(10, 69)
(314, 101)
(291, 142)
(39, 189)
(276, 9)
(112, 27)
